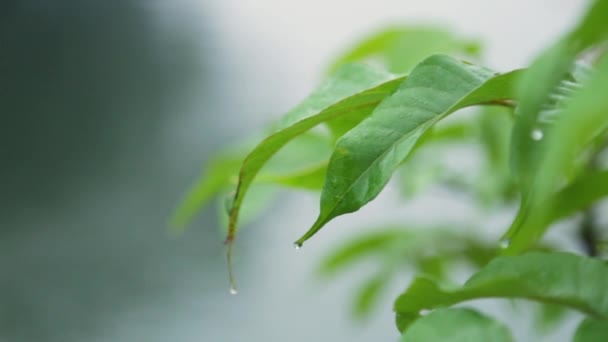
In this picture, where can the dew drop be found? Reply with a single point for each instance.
(424, 312)
(234, 291)
(504, 244)
(297, 245)
(536, 134)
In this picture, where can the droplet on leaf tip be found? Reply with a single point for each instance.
(297, 245)
(536, 134)
(234, 291)
(424, 312)
(504, 244)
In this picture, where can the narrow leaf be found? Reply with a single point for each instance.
(456, 325)
(583, 119)
(215, 178)
(295, 166)
(558, 278)
(366, 157)
(369, 294)
(543, 77)
(580, 194)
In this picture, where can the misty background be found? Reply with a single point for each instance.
(109, 110)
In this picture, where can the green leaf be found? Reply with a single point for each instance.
(353, 88)
(261, 197)
(414, 245)
(592, 330)
(311, 178)
(543, 77)
(380, 242)
(366, 157)
(558, 278)
(370, 293)
(301, 164)
(214, 179)
(456, 325)
(401, 48)
(583, 119)
(579, 195)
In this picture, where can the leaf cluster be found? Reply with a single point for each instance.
(540, 133)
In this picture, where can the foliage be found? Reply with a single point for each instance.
(541, 133)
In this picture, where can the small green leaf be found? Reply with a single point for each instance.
(363, 247)
(366, 157)
(418, 246)
(559, 278)
(215, 179)
(400, 48)
(301, 164)
(580, 194)
(592, 330)
(370, 293)
(260, 198)
(456, 325)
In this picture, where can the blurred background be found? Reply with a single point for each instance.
(109, 109)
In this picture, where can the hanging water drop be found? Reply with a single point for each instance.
(536, 134)
(233, 291)
(504, 244)
(297, 245)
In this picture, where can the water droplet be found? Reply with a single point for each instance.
(424, 312)
(504, 244)
(297, 245)
(536, 134)
(234, 291)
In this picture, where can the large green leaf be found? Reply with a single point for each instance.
(456, 325)
(401, 48)
(584, 118)
(591, 330)
(365, 158)
(560, 278)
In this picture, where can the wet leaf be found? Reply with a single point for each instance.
(559, 278)
(366, 157)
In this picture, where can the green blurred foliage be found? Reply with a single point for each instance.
(539, 132)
